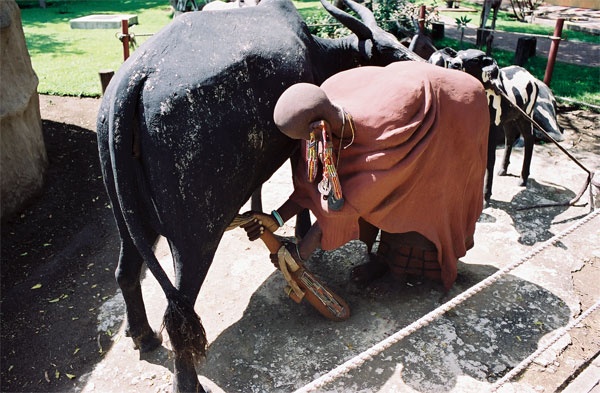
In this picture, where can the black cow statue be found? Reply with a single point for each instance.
(185, 135)
(181, 6)
(506, 123)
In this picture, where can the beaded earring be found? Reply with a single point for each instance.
(331, 181)
(329, 186)
(312, 157)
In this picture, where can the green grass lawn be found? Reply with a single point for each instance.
(67, 61)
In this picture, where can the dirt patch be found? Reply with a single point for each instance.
(59, 254)
(81, 112)
(58, 258)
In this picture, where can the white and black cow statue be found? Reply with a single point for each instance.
(186, 134)
(506, 122)
(218, 5)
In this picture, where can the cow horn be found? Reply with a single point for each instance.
(362, 31)
(366, 15)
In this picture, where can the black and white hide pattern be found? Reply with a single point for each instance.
(506, 123)
(186, 134)
(181, 6)
(442, 57)
(544, 114)
(218, 5)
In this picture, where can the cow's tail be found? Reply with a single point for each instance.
(183, 325)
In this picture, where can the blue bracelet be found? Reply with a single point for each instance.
(277, 217)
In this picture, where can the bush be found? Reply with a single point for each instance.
(398, 17)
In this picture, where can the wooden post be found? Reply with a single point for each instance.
(125, 32)
(422, 19)
(105, 77)
(482, 36)
(437, 30)
(525, 50)
(553, 50)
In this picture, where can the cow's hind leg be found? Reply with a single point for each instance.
(496, 135)
(128, 277)
(526, 130)
(130, 263)
(511, 133)
(192, 260)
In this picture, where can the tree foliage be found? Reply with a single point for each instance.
(399, 17)
(524, 8)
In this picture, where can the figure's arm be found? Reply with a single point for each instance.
(288, 210)
(272, 221)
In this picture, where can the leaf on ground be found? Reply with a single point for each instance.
(61, 297)
(100, 349)
(70, 376)
(36, 286)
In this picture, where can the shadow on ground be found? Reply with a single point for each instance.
(280, 346)
(534, 224)
(58, 259)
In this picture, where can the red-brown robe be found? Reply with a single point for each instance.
(417, 161)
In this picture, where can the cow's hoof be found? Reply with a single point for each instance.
(522, 182)
(181, 386)
(199, 389)
(502, 172)
(147, 342)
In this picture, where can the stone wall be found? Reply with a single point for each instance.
(22, 152)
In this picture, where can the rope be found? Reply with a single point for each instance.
(561, 332)
(238, 220)
(550, 37)
(425, 320)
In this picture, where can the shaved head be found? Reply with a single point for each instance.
(299, 106)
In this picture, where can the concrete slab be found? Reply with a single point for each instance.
(261, 341)
(102, 21)
(588, 380)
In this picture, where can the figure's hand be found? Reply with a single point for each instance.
(261, 221)
(274, 260)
